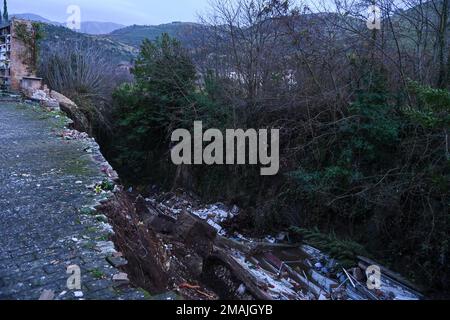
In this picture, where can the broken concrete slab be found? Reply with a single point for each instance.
(196, 234)
(121, 279)
(47, 295)
(105, 247)
(116, 262)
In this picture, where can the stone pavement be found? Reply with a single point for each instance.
(47, 216)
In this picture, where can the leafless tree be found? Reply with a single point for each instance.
(81, 72)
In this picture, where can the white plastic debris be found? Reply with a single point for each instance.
(241, 290)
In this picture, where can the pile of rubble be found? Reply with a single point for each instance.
(68, 134)
(55, 101)
(43, 96)
(201, 260)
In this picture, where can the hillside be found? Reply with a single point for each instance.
(115, 51)
(133, 35)
(97, 27)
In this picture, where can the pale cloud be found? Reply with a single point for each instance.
(119, 11)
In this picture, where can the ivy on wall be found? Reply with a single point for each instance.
(30, 37)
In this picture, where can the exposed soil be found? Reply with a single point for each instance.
(162, 262)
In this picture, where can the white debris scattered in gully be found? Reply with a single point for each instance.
(316, 279)
(279, 289)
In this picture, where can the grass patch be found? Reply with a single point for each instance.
(147, 295)
(104, 237)
(78, 167)
(86, 211)
(91, 230)
(97, 274)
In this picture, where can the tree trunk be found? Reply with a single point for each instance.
(442, 44)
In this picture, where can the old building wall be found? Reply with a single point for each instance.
(5, 51)
(20, 55)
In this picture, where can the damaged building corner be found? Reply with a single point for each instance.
(19, 51)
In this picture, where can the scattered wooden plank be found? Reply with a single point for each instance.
(242, 274)
(252, 248)
(349, 278)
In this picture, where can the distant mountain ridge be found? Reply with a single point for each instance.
(34, 17)
(115, 51)
(97, 27)
(89, 27)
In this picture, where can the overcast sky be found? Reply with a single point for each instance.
(120, 11)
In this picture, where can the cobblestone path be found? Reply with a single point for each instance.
(45, 221)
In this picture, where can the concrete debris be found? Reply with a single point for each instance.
(50, 104)
(47, 295)
(68, 134)
(214, 214)
(39, 95)
(105, 247)
(241, 290)
(116, 262)
(55, 101)
(43, 97)
(106, 227)
(121, 278)
(117, 255)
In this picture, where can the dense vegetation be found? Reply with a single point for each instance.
(116, 51)
(364, 118)
(187, 33)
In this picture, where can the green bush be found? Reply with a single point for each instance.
(385, 182)
(164, 97)
(344, 251)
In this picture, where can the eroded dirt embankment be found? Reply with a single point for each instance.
(165, 254)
